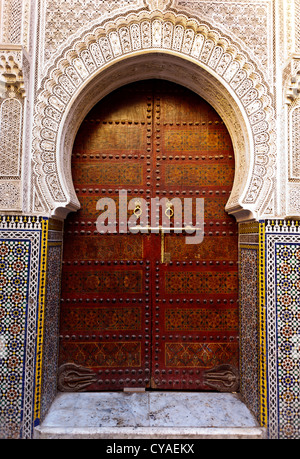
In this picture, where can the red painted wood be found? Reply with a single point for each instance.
(132, 320)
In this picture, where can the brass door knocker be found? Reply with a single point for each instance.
(137, 210)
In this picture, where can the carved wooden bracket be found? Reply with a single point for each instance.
(223, 378)
(74, 378)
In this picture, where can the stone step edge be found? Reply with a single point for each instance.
(44, 432)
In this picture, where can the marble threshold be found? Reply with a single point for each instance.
(147, 415)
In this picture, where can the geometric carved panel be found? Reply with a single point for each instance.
(196, 282)
(11, 113)
(295, 140)
(10, 138)
(200, 355)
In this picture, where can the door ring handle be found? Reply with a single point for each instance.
(169, 212)
(137, 211)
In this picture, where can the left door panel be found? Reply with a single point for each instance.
(106, 298)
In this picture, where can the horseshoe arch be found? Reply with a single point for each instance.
(153, 45)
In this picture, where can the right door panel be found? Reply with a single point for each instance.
(195, 290)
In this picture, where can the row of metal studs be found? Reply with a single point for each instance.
(142, 157)
(147, 191)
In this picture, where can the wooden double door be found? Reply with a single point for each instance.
(149, 310)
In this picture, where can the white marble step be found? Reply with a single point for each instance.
(149, 415)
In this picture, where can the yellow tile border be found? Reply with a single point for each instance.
(249, 228)
(262, 330)
(40, 322)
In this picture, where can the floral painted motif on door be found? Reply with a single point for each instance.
(145, 309)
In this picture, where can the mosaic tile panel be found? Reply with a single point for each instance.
(282, 251)
(14, 272)
(288, 340)
(22, 242)
(249, 336)
(51, 326)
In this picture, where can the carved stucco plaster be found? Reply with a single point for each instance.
(291, 98)
(250, 23)
(12, 102)
(163, 45)
(160, 66)
(291, 79)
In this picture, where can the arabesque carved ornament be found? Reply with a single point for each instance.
(151, 32)
(11, 76)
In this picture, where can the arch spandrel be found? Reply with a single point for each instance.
(154, 45)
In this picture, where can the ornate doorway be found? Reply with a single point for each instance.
(148, 310)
